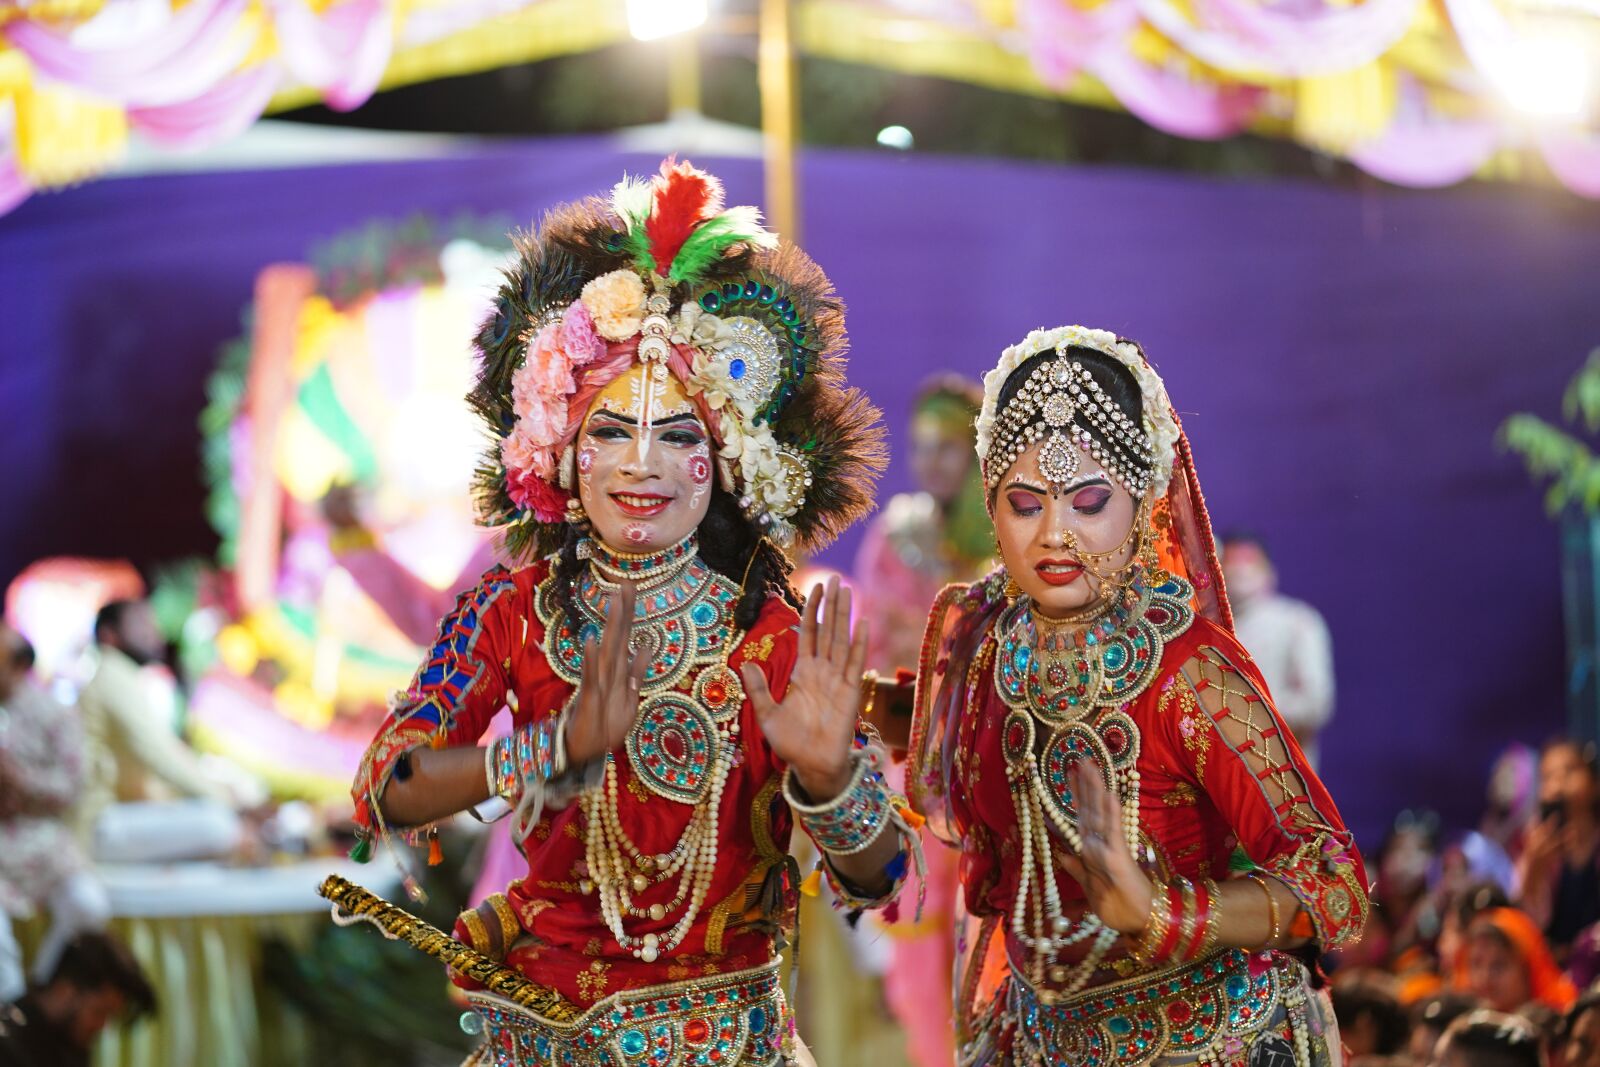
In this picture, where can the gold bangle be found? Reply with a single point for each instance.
(869, 691)
(1272, 909)
(1155, 927)
(1186, 927)
(1208, 936)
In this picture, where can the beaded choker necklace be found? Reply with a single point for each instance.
(1073, 687)
(646, 567)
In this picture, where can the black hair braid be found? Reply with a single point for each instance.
(730, 544)
(565, 574)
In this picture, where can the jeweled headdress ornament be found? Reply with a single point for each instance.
(663, 277)
(1062, 405)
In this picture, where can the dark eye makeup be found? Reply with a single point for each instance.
(1024, 503)
(1091, 501)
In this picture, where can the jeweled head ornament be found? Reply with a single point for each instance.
(1062, 405)
(663, 282)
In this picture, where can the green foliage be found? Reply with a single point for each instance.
(1550, 452)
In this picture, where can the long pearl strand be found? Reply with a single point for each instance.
(612, 880)
(1053, 932)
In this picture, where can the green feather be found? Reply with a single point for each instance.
(704, 247)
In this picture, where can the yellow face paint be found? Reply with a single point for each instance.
(646, 395)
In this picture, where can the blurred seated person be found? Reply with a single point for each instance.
(1430, 1018)
(95, 983)
(148, 798)
(1485, 1038)
(1371, 1021)
(1404, 861)
(1559, 872)
(1506, 963)
(1286, 637)
(41, 774)
(1580, 1033)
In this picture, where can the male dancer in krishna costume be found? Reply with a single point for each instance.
(1107, 758)
(664, 382)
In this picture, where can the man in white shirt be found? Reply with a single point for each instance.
(147, 796)
(1286, 637)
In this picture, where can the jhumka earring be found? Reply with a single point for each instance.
(1012, 589)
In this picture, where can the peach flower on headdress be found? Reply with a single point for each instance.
(616, 301)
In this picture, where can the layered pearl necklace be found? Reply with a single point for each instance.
(683, 745)
(1076, 686)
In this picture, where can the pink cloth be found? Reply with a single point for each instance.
(899, 570)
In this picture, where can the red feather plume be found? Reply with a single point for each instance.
(684, 198)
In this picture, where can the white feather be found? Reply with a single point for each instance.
(632, 199)
(747, 220)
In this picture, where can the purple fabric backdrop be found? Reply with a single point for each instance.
(1341, 359)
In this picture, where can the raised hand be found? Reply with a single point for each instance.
(608, 690)
(1118, 890)
(813, 727)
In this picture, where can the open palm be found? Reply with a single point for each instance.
(813, 726)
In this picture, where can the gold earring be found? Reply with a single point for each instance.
(1012, 589)
(575, 512)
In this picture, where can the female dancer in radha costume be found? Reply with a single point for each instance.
(665, 384)
(1100, 746)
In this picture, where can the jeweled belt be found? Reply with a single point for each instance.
(728, 1020)
(1182, 1012)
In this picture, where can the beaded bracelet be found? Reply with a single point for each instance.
(852, 821)
(535, 751)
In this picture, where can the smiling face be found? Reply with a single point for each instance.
(644, 464)
(1060, 542)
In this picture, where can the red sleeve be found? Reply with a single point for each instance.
(772, 645)
(1255, 774)
(459, 688)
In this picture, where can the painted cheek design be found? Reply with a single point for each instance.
(586, 460)
(700, 467)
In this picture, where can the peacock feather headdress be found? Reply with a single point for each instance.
(663, 273)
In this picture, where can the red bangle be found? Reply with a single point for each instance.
(1202, 916)
(1169, 942)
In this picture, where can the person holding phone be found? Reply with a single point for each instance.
(1559, 873)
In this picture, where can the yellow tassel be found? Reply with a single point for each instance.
(812, 886)
(913, 819)
(435, 852)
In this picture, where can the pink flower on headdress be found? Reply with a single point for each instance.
(546, 501)
(578, 337)
(545, 374)
(520, 452)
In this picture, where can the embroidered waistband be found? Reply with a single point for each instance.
(727, 1020)
(1181, 1012)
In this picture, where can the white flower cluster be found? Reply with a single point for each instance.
(1158, 420)
(774, 478)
